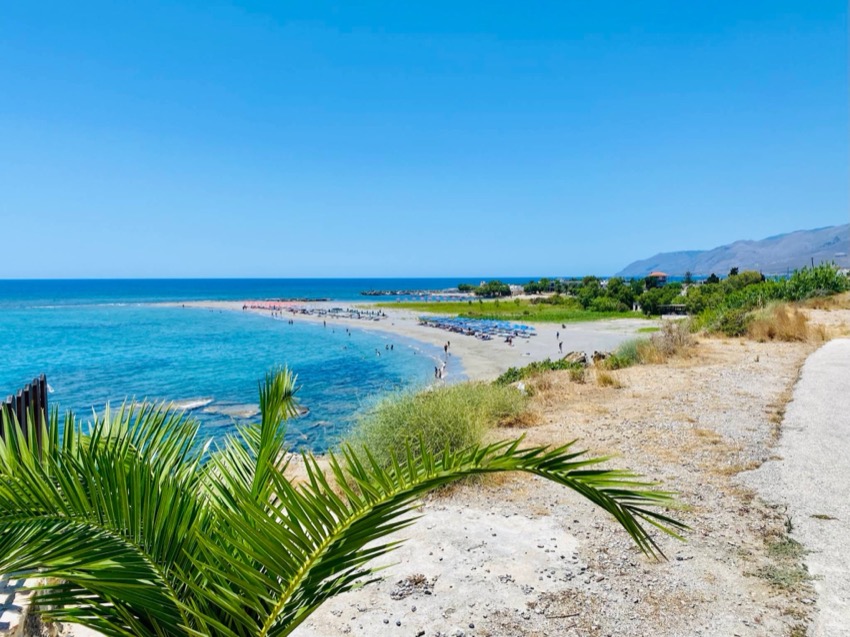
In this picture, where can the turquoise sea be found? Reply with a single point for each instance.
(103, 341)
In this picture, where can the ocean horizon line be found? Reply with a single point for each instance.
(307, 278)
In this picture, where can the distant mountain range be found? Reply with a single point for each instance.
(774, 255)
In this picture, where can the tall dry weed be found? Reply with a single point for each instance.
(673, 339)
(783, 323)
(605, 379)
(835, 302)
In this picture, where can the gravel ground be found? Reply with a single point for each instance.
(524, 557)
(811, 480)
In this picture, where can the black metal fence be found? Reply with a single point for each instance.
(29, 406)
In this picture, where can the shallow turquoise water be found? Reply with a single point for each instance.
(98, 353)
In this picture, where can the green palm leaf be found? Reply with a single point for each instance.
(109, 511)
(329, 538)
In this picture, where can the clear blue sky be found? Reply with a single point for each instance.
(412, 139)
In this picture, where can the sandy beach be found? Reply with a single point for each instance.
(479, 360)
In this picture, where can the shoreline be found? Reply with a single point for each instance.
(478, 360)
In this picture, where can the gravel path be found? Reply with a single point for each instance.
(813, 480)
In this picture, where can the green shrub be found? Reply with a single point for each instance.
(652, 300)
(627, 354)
(607, 304)
(746, 278)
(492, 289)
(453, 416)
(557, 299)
(578, 374)
(821, 280)
(621, 291)
(732, 322)
(701, 297)
(515, 374)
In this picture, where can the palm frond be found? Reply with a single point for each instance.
(240, 466)
(109, 511)
(312, 542)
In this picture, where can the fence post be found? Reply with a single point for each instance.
(29, 406)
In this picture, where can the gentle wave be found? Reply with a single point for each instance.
(243, 411)
(190, 404)
(234, 411)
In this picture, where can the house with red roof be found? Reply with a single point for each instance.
(660, 277)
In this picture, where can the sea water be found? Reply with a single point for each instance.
(103, 342)
(34, 293)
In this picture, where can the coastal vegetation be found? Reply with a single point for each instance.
(717, 305)
(514, 374)
(135, 526)
(605, 295)
(560, 310)
(730, 305)
(487, 289)
(452, 417)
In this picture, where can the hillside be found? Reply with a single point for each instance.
(774, 255)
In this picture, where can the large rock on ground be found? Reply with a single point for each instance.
(576, 358)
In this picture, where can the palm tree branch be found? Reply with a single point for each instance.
(376, 498)
(90, 555)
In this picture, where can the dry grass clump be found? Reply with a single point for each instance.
(542, 383)
(549, 390)
(673, 339)
(578, 375)
(521, 420)
(649, 353)
(605, 379)
(784, 323)
(834, 302)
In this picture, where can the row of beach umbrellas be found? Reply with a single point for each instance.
(478, 327)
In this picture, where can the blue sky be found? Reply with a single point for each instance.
(412, 139)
